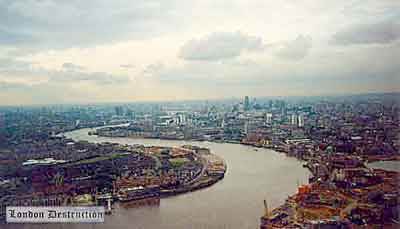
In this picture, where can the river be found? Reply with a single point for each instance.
(387, 165)
(234, 202)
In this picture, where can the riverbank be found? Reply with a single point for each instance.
(213, 169)
(343, 192)
(253, 175)
(98, 169)
(322, 183)
(209, 178)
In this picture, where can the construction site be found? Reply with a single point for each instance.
(371, 203)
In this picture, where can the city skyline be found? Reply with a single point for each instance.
(94, 52)
(341, 154)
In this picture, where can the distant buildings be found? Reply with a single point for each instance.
(323, 132)
(119, 111)
(300, 121)
(293, 120)
(297, 120)
(180, 119)
(269, 118)
(246, 103)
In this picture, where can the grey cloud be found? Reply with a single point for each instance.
(296, 49)
(12, 69)
(219, 46)
(11, 37)
(357, 68)
(95, 77)
(378, 33)
(20, 82)
(10, 86)
(72, 67)
(10, 63)
(60, 24)
(153, 68)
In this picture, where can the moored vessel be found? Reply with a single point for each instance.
(140, 195)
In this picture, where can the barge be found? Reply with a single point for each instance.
(140, 195)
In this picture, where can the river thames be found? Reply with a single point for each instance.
(253, 174)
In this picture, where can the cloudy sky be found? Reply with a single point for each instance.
(74, 51)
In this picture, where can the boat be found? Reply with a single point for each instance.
(105, 198)
(108, 210)
(132, 194)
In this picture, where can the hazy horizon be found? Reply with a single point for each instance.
(211, 100)
(78, 52)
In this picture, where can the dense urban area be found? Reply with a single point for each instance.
(335, 137)
(41, 167)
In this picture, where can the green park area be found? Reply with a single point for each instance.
(177, 162)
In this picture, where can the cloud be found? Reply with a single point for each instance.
(101, 78)
(377, 33)
(62, 48)
(22, 82)
(154, 68)
(221, 45)
(355, 71)
(62, 24)
(11, 37)
(72, 67)
(15, 72)
(296, 49)
(8, 86)
(10, 63)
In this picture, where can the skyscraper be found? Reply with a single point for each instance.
(300, 121)
(293, 119)
(246, 103)
(269, 118)
(246, 127)
(119, 110)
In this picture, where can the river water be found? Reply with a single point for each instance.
(387, 165)
(234, 202)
